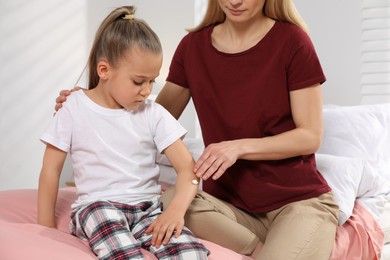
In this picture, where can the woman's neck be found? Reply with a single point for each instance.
(232, 37)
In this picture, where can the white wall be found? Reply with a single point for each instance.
(42, 49)
(335, 31)
(44, 46)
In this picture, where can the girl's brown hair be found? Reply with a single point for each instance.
(119, 32)
(280, 10)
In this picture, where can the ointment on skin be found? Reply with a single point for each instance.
(195, 181)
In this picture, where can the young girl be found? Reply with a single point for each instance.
(113, 134)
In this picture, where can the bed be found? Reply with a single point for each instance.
(354, 158)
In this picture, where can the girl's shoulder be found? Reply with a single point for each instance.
(74, 98)
(152, 108)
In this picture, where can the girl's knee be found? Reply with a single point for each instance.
(186, 246)
(192, 250)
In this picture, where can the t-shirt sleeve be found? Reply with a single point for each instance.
(59, 131)
(304, 69)
(176, 73)
(165, 127)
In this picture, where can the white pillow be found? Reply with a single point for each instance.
(343, 175)
(360, 132)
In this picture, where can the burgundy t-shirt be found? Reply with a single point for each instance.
(246, 95)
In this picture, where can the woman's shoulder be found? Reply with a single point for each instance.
(289, 29)
(200, 35)
(291, 33)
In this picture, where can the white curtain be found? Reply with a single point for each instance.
(375, 69)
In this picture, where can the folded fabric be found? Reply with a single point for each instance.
(354, 179)
(343, 175)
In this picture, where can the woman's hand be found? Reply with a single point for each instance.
(165, 225)
(62, 97)
(216, 158)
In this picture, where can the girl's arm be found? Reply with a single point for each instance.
(53, 162)
(172, 219)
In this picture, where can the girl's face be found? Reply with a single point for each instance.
(242, 10)
(131, 81)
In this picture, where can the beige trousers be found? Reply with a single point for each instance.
(300, 230)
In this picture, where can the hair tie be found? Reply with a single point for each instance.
(128, 17)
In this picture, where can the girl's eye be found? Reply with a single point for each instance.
(140, 83)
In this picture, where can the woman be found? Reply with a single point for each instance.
(254, 77)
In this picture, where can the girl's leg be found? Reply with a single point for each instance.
(107, 231)
(302, 230)
(186, 246)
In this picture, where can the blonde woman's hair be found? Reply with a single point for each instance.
(280, 10)
(118, 33)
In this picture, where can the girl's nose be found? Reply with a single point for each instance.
(146, 89)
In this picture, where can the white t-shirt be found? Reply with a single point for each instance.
(113, 151)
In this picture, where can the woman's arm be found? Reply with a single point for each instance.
(306, 107)
(174, 98)
(172, 219)
(53, 162)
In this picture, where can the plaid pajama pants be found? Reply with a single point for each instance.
(117, 231)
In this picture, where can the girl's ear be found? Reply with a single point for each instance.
(103, 67)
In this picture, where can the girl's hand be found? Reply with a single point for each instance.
(165, 225)
(62, 97)
(215, 159)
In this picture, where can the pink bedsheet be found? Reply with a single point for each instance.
(361, 237)
(21, 238)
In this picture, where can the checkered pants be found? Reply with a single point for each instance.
(117, 231)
